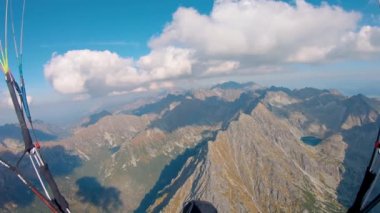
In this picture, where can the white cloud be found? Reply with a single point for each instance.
(221, 67)
(358, 45)
(161, 85)
(310, 54)
(101, 72)
(167, 63)
(153, 86)
(257, 32)
(368, 39)
(246, 36)
(7, 100)
(258, 28)
(140, 89)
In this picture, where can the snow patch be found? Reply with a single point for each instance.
(83, 155)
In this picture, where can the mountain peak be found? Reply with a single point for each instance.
(359, 110)
(235, 85)
(260, 108)
(228, 85)
(309, 92)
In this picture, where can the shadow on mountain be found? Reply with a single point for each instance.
(327, 110)
(12, 190)
(235, 85)
(230, 85)
(210, 111)
(360, 142)
(308, 92)
(95, 118)
(158, 106)
(171, 171)
(91, 191)
(60, 161)
(13, 131)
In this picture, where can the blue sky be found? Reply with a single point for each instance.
(120, 26)
(134, 30)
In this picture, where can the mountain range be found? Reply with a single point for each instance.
(242, 147)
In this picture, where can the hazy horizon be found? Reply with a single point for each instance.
(69, 113)
(101, 52)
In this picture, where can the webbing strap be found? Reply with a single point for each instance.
(366, 184)
(369, 180)
(30, 185)
(20, 116)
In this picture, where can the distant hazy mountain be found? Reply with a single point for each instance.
(238, 146)
(234, 85)
(11, 139)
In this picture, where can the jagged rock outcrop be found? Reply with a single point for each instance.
(359, 111)
(236, 145)
(259, 165)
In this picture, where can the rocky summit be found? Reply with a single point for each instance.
(238, 146)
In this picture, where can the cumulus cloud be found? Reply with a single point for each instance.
(220, 67)
(83, 72)
(153, 86)
(246, 36)
(265, 31)
(161, 85)
(7, 100)
(167, 63)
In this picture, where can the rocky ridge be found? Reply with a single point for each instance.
(236, 145)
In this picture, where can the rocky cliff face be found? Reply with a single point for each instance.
(236, 145)
(125, 152)
(257, 164)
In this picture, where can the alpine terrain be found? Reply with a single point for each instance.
(242, 147)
